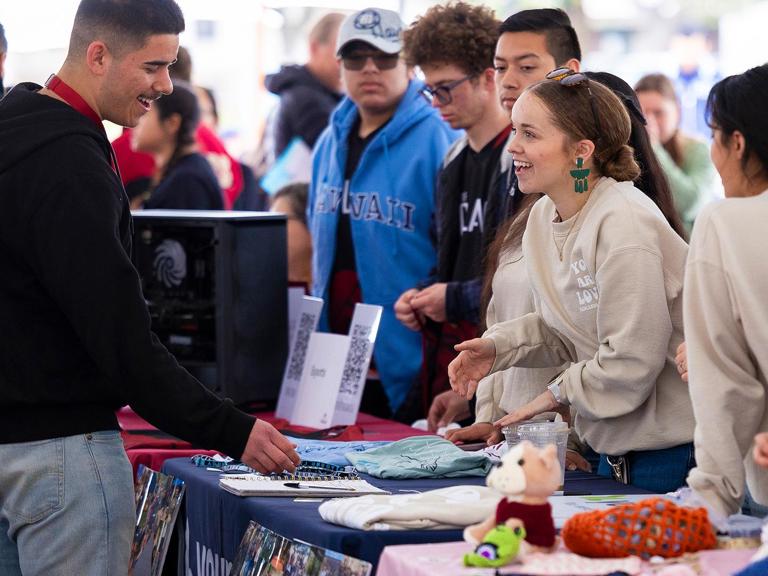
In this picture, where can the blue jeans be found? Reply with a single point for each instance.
(659, 471)
(66, 507)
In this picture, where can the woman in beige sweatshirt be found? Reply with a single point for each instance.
(726, 314)
(606, 272)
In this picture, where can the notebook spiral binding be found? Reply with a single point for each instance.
(307, 471)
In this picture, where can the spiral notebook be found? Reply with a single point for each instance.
(312, 487)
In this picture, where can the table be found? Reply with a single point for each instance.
(216, 520)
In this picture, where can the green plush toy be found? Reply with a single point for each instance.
(499, 547)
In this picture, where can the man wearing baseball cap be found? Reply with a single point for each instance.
(371, 199)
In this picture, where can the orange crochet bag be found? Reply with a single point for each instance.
(652, 527)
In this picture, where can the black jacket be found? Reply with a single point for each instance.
(305, 106)
(75, 340)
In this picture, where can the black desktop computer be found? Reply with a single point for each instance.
(215, 283)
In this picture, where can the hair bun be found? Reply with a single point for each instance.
(621, 166)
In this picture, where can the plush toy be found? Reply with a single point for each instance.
(526, 476)
(499, 547)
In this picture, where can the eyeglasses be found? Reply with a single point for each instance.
(356, 61)
(569, 78)
(443, 92)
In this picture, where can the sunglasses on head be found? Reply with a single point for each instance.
(356, 61)
(569, 78)
(442, 93)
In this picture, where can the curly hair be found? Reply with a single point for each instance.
(455, 33)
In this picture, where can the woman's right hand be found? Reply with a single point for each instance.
(478, 432)
(473, 363)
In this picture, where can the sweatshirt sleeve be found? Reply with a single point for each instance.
(728, 398)
(634, 328)
(528, 342)
(77, 252)
(489, 392)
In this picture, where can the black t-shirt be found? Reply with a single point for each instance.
(189, 185)
(476, 175)
(345, 286)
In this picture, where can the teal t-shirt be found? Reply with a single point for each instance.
(420, 457)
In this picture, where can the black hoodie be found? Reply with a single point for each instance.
(75, 340)
(305, 106)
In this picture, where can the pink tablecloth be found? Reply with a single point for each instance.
(445, 559)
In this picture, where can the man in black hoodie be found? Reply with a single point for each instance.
(309, 93)
(75, 340)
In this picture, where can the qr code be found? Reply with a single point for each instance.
(306, 327)
(356, 360)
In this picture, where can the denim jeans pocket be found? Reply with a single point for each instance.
(33, 479)
(105, 437)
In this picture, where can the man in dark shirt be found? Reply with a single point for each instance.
(530, 44)
(454, 46)
(308, 93)
(75, 340)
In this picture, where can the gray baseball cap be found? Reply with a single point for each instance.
(382, 29)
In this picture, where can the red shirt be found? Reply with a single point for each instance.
(537, 519)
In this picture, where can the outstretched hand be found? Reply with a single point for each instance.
(544, 402)
(473, 363)
(269, 451)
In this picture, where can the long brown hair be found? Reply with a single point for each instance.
(663, 86)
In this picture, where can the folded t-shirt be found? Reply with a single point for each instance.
(420, 457)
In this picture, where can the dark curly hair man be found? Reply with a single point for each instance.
(454, 46)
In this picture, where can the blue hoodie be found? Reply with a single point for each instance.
(392, 199)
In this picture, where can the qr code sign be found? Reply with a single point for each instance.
(306, 326)
(356, 360)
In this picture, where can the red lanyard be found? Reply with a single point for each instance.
(68, 94)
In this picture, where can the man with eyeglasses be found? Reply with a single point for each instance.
(454, 47)
(530, 44)
(371, 200)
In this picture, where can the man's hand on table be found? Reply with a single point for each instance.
(269, 451)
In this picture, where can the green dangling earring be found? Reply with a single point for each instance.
(580, 182)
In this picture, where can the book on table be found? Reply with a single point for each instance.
(258, 485)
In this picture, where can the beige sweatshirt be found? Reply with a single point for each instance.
(613, 308)
(503, 392)
(726, 322)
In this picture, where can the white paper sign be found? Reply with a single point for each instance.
(362, 334)
(324, 365)
(295, 299)
(309, 316)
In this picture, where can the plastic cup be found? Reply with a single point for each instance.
(540, 434)
(511, 435)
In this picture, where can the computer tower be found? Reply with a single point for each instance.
(215, 283)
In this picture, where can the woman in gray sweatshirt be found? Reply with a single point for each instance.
(606, 272)
(725, 312)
